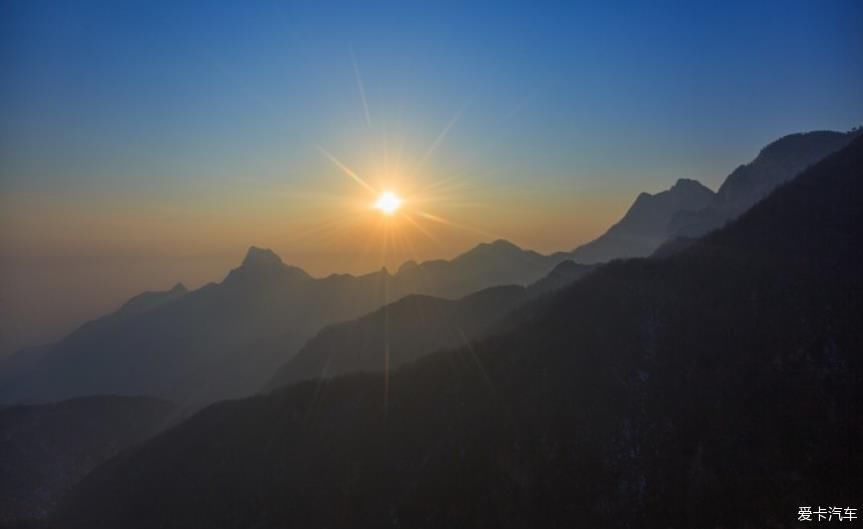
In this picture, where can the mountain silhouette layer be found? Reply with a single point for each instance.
(645, 225)
(414, 326)
(777, 163)
(716, 387)
(399, 333)
(227, 339)
(688, 209)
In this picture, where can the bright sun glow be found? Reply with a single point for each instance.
(388, 203)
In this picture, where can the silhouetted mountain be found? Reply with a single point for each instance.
(227, 339)
(150, 300)
(399, 333)
(263, 266)
(562, 275)
(486, 265)
(777, 163)
(718, 387)
(45, 450)
(645, 225)
(413, 327)
(690, 210)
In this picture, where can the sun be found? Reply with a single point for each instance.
(388, 203)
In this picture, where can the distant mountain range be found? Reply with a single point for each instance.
(227, 339)
(689, 209)
(45, 450)
(719, 386)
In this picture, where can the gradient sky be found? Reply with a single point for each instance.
(150, 142)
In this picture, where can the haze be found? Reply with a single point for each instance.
(152, 143)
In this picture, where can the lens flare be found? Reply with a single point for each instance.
(388, 203)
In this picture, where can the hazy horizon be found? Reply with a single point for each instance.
(152, 143)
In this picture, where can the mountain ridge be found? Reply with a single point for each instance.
(705, 211)
(642, 228)
(718, 387)
(169, 342)
(415, 325)
(225, 339)
(776, 163)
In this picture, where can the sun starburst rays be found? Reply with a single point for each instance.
(400, 207)
(388, 203)
(395, 207)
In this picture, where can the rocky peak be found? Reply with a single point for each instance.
(261, 258)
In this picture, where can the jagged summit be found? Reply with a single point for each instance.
(498, 246)
(262, 263)
(645, 225)
(684, 189)
(261, 257)
(179, 288)
(502, 243)
(688, 184)
(408, 266)
(502, 253)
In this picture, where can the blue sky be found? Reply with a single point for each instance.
(158, 98)
(142, 143)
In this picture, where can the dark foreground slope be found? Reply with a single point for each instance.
(45, 450)
(719, 387)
